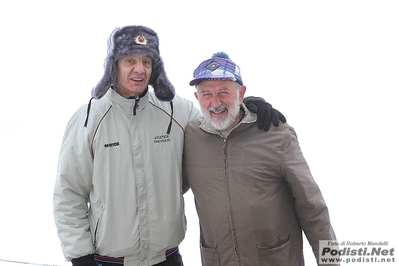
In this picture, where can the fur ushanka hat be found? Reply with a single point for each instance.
(130, 40)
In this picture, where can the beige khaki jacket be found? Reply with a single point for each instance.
(254, 195)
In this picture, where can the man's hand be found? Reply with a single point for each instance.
(265, 112)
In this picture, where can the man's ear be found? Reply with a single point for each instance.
(196, 95)
(242, 93)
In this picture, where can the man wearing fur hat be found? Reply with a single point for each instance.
(118, 192)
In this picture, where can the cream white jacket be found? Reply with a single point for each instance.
(118, 190)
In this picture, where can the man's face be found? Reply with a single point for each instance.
(133, 74)
(220, 102)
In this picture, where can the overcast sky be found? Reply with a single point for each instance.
(331, 67)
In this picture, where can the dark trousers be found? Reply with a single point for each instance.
(174, 259)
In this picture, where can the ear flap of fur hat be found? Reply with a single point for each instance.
(106, 81)
(130, 40)
(108, 78)
(163, 89)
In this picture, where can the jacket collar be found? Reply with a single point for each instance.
(127, 104)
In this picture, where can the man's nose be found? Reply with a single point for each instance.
(215, 102)
(139, 68)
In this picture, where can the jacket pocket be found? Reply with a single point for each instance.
(277, 251)
(210, 256)
(96, 224)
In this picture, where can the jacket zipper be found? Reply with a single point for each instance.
(136, 105)
(231, 220)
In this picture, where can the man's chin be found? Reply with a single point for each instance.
(219, 126)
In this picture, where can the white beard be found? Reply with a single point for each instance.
(219, 123)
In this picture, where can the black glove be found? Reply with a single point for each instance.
(265, 112)
(87, 260)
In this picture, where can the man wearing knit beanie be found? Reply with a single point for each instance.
(254, 192)
(118, 192)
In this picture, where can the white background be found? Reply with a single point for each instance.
(332, 68)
